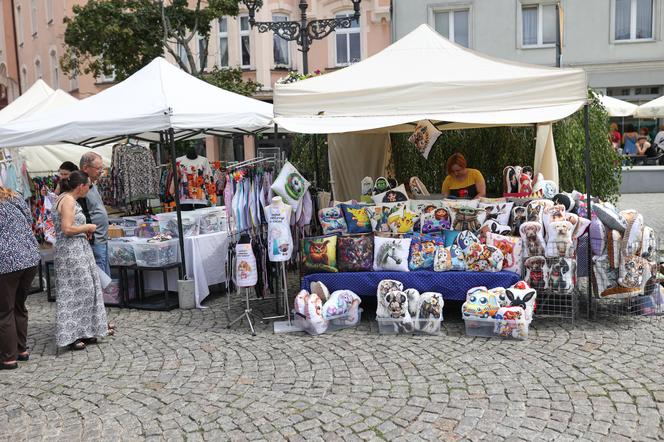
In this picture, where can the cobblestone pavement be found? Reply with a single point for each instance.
(182, 375)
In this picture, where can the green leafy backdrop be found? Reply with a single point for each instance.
(490, 150)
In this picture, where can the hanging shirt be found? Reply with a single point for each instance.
(195, 179)
(279, 239)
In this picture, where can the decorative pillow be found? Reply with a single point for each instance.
(332, 220)
(388, 285)
(417, 187)
(608, 214)
(491, 226)
(499, 212)
(521, 295)
(308, 314)
(648, 243)
(566, 200)
(561, 274)
(465, 239)
(533, 241)
(319, 254)
(378, 218)
(466, 218)
(604, 276)
(510, 180)
(546, 188)
(442, 261)
(634, 272)
(459, 203)
(435, 220)
(483, 258)
(560, 239)
(429, 312)
(319, 289)
(511, 249)
(424, 136)
(480, 303)
(394, 305)
(413, 296)
(580, 225)
(340, 304)
(391, 254)
(597, 237)
(553, 213)
(450, 237)
(420, 206)
(518, 216)
(501, 296)
(422, 252)
(402, 221)
(290, 185)
(493, 200)
(535, 271)
(535, 209)
(613, 245)
(396, 195)
(633, 236)
(355, 253)
(357, 218)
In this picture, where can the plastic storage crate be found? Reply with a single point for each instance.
(121, 252)
(494, 328)
(395, 326)
(168, 224)
(211, 219)
(156, 253)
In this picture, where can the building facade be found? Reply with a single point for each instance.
(9, 79)
(618, 42)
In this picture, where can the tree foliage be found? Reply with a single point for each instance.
(122, 36)
(490, 150)
(231, 80)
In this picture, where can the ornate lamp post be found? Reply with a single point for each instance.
(303, 31)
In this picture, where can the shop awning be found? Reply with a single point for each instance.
(615, 107)
(651, 109)
(425, 76)
(157, 98)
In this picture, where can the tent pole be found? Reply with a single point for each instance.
(586, 124)
(176, 185)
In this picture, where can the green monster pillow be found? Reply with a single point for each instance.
(290, 185)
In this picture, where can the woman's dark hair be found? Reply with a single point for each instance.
(75, 179)
(68, 165)
(630, 128)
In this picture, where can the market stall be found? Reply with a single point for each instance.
(159, 103)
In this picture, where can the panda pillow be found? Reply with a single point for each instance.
(290, 185)
(391, 254)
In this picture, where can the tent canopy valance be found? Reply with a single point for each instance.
(425, 76)
(651, 109)
(155, 99)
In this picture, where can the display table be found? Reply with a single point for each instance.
(205, 256)
(453, 285)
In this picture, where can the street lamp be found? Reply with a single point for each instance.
(304, 32)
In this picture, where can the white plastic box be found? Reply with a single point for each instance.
(211, 219)
(155, 253)
(121, 252)
(392, 326)
(497, 328)
(168, 224)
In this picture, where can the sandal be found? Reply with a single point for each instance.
(9, 366)
(23, 356)
(111, 326)
(111, 332)
(88, 341)
(78, 345)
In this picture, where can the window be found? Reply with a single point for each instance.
(223, 42)
(538, 25)
(245, 41)
(633, 19)
(49, 11)
(202, 52)
(55, 69)
(19, 25)
(73, 83)
(453, 25)
(182, 54)
(348, 42)
(38, 70)
(24, 77)
(33, 16)
(280, 45)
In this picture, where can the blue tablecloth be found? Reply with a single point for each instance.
(453, 285)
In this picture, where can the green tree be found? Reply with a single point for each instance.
(231, 80)
(121, 36)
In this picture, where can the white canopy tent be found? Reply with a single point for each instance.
(615, 107)
(45, 160)
(157, 98)
(651, 109)
(159, 102)
(424, 76)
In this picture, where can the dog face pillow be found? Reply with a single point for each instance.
(535, 209)
(560, 274)
(533, 241)
(535, 271)
(517, 217)
(560, 239)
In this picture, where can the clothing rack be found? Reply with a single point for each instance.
(251, 162)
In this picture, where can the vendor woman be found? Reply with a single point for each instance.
(462, 182)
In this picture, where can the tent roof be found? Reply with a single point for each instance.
(425, 76)
(37, 93)
(615, 107)
(651, 109)
(158, 97)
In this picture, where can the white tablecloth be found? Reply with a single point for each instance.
(206, 264)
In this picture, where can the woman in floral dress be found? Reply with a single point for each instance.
(80, 314)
